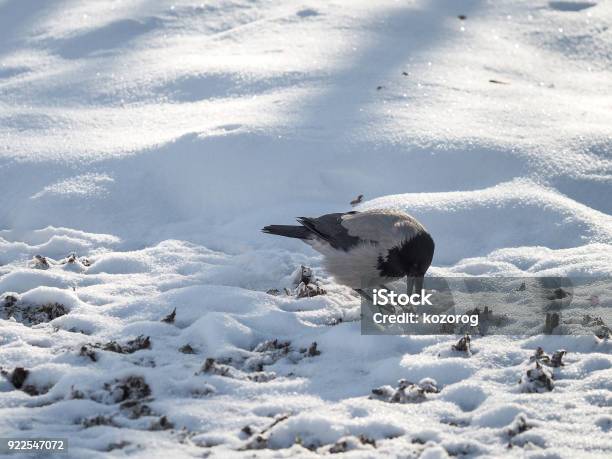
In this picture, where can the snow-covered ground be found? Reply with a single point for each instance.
(155, 139)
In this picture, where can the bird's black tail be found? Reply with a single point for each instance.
(298, 232)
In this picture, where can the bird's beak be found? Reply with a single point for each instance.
(418, 285)
(409, 284)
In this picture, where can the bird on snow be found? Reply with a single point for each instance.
(366, 249)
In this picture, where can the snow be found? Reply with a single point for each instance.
(154, 140)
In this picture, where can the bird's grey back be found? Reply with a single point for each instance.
(384, 227)
(380, 227)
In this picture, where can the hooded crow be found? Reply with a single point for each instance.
(366, 249)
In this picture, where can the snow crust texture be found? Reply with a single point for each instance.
(144, 144)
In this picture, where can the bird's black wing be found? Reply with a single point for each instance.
(329, 228)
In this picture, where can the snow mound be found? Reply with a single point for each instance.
(545, 218)
(144, 144)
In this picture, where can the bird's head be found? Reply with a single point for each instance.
(411, 258)
(418, 255)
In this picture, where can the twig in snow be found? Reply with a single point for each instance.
(169, 319)
(541, 357)
(187, 349)
(406, 392)
(463, 345)
(136, 344)
(311, 351)
(40, 262)
(537, 379)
